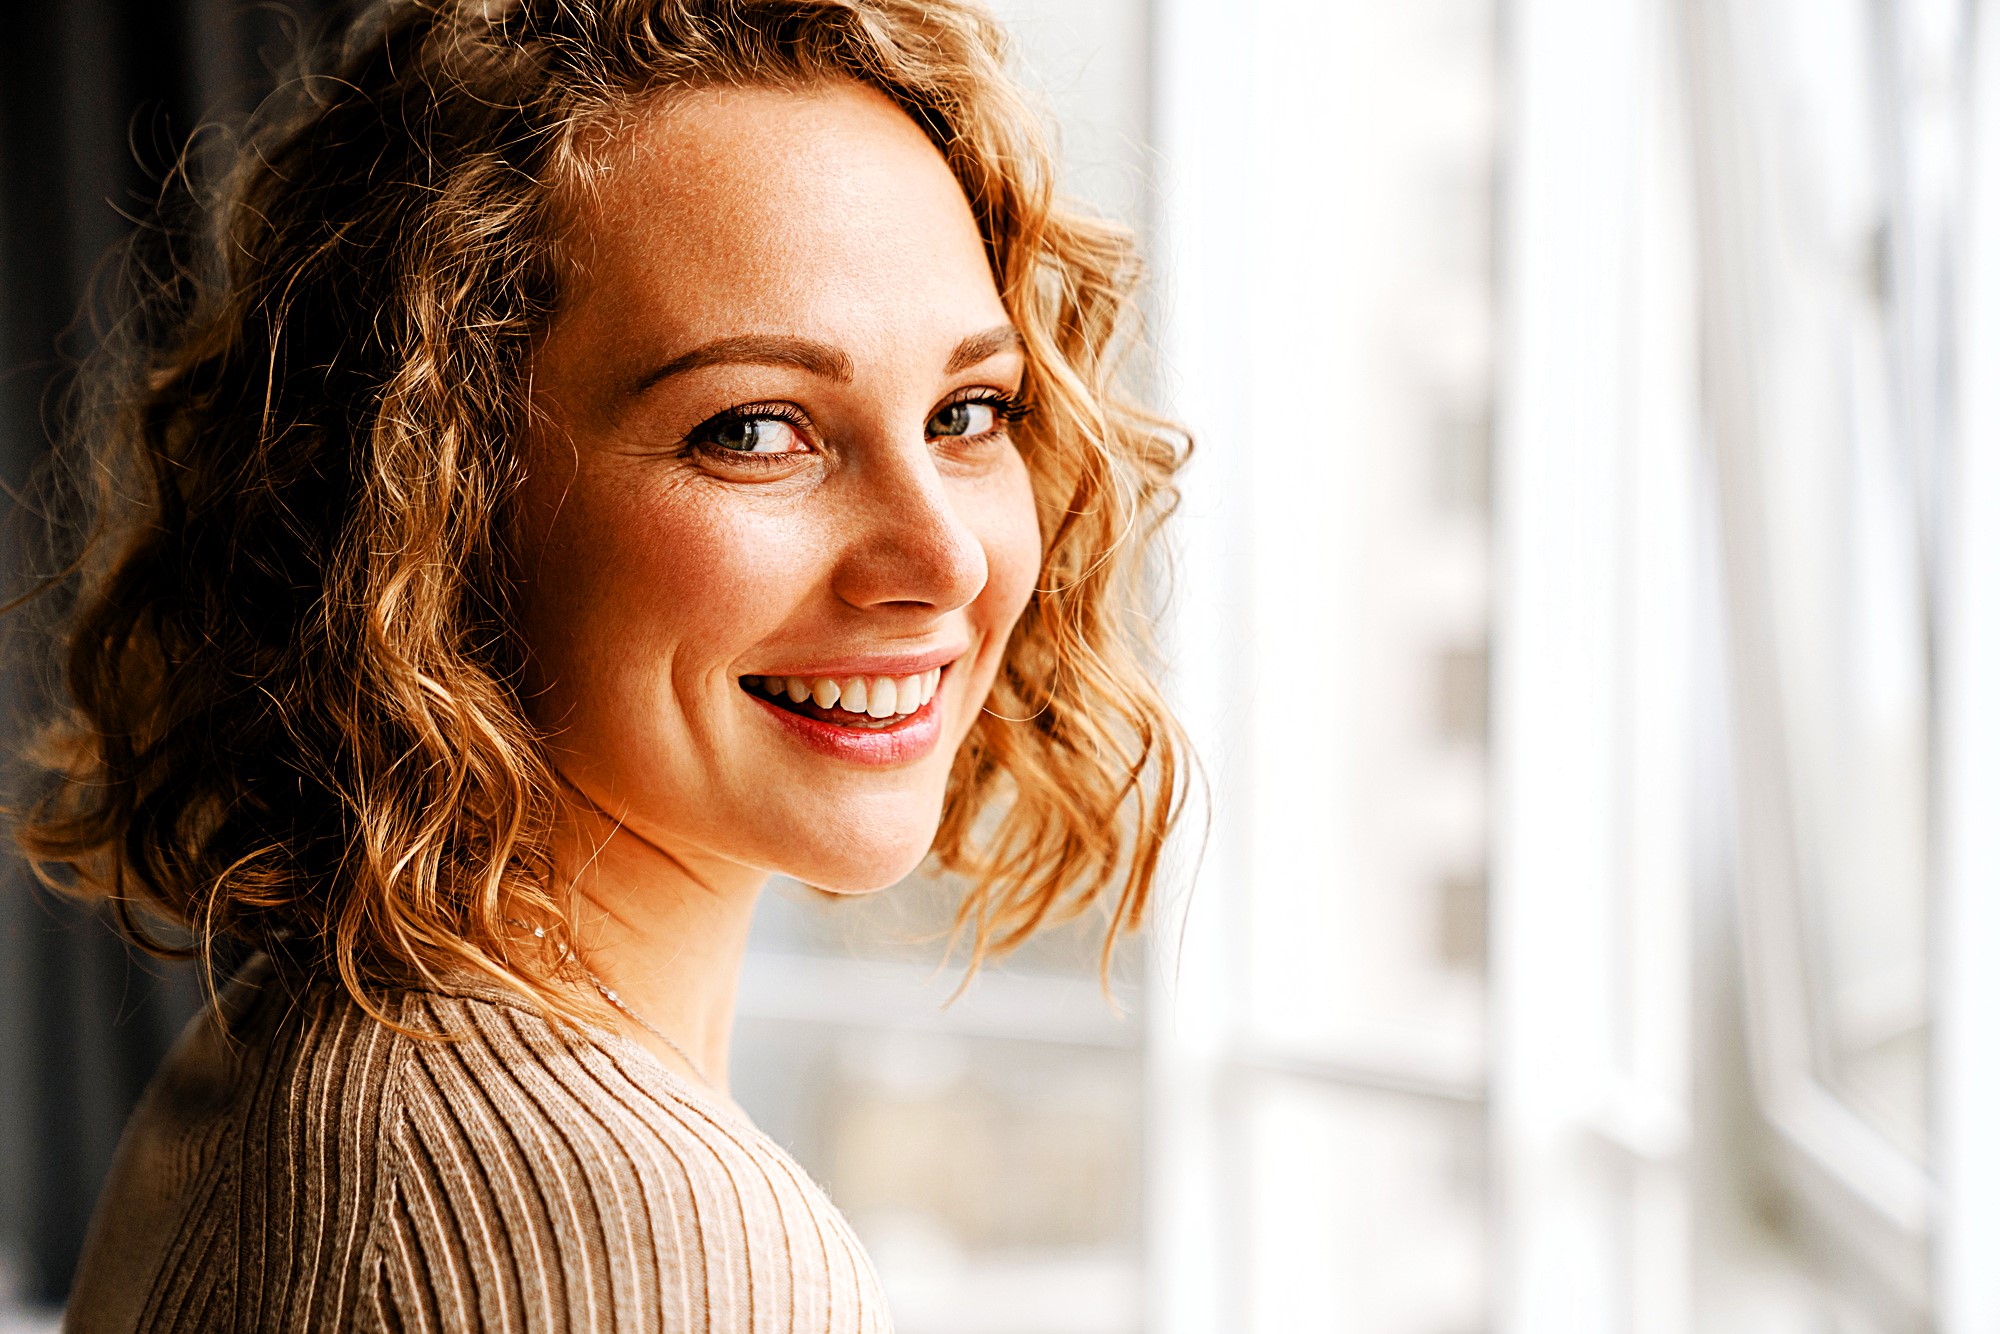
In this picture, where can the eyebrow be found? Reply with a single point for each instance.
(971, 351)
(816, 358)
(822, 359)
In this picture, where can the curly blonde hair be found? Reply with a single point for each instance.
(288, 675)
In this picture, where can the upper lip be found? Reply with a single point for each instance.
(913, 663)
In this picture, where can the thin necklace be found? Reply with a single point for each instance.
(640, 1019)
(618, 1004)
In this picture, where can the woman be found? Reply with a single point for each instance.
(621, 449)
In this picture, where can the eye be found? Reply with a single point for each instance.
(750, 432)
(969, 417)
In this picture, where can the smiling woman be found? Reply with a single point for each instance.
(772, 440)
(616, 452)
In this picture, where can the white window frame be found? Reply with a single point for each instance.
(1596, 522)
(1910, 1242)
(1591, 715)
(1855, 1189)
(1200, 1056)
(1967, 1052)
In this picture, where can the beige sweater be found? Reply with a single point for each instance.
(310, 1168)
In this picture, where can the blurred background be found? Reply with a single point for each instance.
(1587, 606)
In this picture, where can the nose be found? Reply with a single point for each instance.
(912, 542)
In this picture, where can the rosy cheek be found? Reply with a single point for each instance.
(631, 581)
(701, 588)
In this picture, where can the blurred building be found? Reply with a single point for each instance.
(1587, 606)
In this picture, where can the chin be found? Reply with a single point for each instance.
(858, 869)
(855, 843)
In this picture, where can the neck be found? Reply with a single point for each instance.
(666, 932)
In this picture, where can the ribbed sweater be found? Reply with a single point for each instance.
(298, 1165)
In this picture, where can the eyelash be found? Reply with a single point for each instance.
(1008, 408)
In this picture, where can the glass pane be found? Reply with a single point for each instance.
(1366, 1212)
(996, 1184)
(1829, 544)
(911, 922)
(1369, 279)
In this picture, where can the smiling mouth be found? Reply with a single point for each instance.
(865, 703)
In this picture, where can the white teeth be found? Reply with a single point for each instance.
(877, 696)
(854, 695)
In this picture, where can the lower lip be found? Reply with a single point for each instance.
(910, 737)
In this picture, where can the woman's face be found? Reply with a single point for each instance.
(774, 533)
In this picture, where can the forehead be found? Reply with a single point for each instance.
(822, 211)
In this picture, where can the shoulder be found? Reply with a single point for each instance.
(248, 1178)
(451, 1161)
(563, 1180)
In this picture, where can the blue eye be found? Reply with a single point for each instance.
(967, 418)
(749, 433)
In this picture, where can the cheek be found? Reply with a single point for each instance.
(634, 580)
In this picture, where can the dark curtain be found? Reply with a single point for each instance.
(96, 97)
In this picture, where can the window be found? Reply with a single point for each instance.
(1829, 216)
